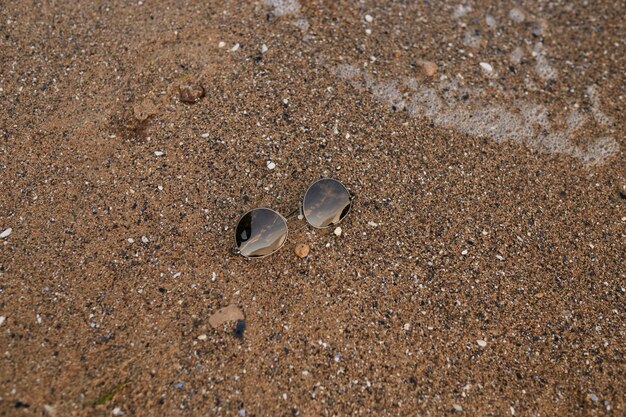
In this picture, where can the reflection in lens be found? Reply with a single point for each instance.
(260, 232)
(326, 203)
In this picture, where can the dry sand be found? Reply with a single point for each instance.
(480, 272)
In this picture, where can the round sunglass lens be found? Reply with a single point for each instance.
(326, 203)
(260, 232)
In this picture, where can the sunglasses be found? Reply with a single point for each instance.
(262, 231)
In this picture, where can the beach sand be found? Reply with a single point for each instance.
(481, 270)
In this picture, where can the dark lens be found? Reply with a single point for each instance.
(260, 232)
(326, 203)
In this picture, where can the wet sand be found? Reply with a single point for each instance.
(481, 270)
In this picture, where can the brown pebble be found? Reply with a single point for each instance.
(144, 109)
(397, 53)
(224, 315)
(191, 92)
(302, 250)
(430, 68)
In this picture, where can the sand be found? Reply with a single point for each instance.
(481, 270)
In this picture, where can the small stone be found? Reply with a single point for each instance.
(202, 337)
(302, 250)
(264, 48)
(457, 407)
(397, 54)
(131, 240)
(145, 239)
(50, 410)
(407, 327)
(242, 412)
(337, 231)
(481, 343)
(539, 295)
(368, 32)
(159, 153)
(6, 233)
(144, 109)
(512, 411)
(464, 252)
(204, 135)
(368, 18)
(486, 67)
(430, 68)
(224, 315)
(2, 319)
(500, 257)
(234, 48)
(373, 224)
(221, 44)
(270, 165)
(117, 412)
(594, 398)
(516, 15)
(191, 92)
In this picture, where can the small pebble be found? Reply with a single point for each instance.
(131, 240)
(430, 68)
(457, 407)
(368, 31)
(2, 319)
(481, 343)
(234, 48)
(145, 239)
(6, 233)
(264, 48)
(464, 252)
(204, 135)
(202, 337)
(337, 231)
(368, 18)
(50, 410)
(221, 44)
(270, 165)
(242, 412)
(191, 93)
(373, 224)
(407, 327)
(117, 412)
(516, 15)
(226, 314)
(302, 250)
(594, 398)
(500, 257)
(159, 153)
(486, 67)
